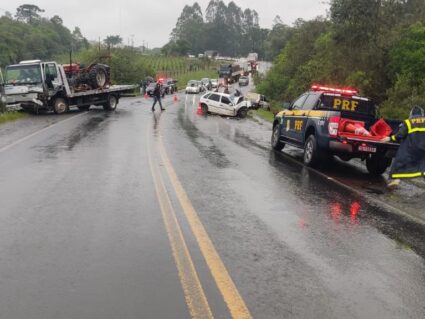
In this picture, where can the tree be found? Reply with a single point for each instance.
(190, 28)
(56, 20)
(113, 40)
(28, 13)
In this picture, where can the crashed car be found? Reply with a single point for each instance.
(224, 104)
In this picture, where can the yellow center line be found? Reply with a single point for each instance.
(224, 282)
(194, 294)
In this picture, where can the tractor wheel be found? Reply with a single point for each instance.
(98, 76)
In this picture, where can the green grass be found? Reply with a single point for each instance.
(11, 116)
(264, 114)
(195, 75)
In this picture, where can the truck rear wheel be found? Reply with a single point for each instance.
(312, 153)
(111, 104)
(60, 105)
(377, 164)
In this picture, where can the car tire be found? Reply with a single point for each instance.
(243, 112)
(204, 108)
(60, 106)
(377, 164)
(312, 153)
(276, 144)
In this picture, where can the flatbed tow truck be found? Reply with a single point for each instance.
(48, 86)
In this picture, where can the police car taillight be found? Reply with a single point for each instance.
(333, 126)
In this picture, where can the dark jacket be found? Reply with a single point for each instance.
(410, 158)
(157, 91)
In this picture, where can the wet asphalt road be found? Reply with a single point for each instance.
(84, 230)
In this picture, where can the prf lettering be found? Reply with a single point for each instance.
(345, 105)
(298, 125)
(418, 120)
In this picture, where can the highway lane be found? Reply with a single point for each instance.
(83, 225)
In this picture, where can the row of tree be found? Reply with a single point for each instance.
(29, 35)
(377, 46)
(227, 29)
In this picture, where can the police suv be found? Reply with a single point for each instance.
(316, 120)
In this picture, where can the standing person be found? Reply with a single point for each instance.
(157, 96)
(409, 161)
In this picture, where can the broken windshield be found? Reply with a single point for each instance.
(23, 74)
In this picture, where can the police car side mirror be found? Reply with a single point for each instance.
(287, 105)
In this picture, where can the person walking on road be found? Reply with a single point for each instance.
(409, 161)
(157, 96)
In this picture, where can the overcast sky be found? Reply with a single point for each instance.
(151, 21)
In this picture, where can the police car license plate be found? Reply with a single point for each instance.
(369, 149)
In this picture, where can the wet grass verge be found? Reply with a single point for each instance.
(11, 116)
(264, 114)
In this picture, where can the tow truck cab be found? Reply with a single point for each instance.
(315, 121)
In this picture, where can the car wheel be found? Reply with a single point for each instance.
(204, 108)
(276, 144)
(377, 164)
(312, 153)
(242, 113)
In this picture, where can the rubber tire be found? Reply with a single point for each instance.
(377, 164)
(276, 144)
(204, 108)
(111, 104)
(243, 112)
(60, 106)
(98, 77)
(312, 153)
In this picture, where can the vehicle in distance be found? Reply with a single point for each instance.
(207, 83)
(49, 86)
(317, 121)
(258, 100)
(230, 72)
(170, 85)
(193, 86)
(151, 87)
(224, 104)
(202, 86)
(243, 81)
(214, 83)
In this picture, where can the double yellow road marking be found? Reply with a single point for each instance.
(194, 294)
